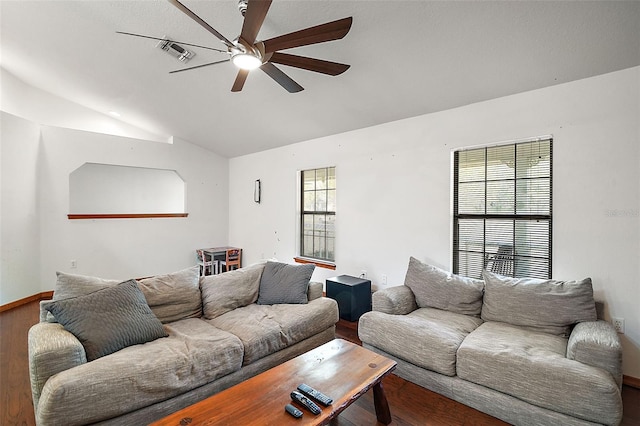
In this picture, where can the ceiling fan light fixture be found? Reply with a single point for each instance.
(246, 61)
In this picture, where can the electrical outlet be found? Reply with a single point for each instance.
(363, 274)
(74, 264)
(618, 324)
(384, 279)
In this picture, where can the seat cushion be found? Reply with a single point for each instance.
(532, 366)
(427, 337)
(266, 329)
(195, 353)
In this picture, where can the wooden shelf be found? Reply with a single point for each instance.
(126, 215)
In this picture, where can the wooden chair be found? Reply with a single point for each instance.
(206, 263)
(232, 258)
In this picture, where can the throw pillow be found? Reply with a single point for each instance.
(548, 306)
(108, 320)
(437, 288)
(174, 296)
(284, 283)
(225, 292)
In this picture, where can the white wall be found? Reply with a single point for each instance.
(19, 221)
(126, 248)
(36, 237)
(394, 189)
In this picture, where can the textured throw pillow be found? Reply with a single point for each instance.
(437, 288)
(174, 296)
(222, 293)
(284, 283)
(108, 320)
(543, 305)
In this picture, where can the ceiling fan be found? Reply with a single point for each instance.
(248, 54)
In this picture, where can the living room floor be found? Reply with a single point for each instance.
(409, 403)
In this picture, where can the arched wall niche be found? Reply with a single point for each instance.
(108, 191)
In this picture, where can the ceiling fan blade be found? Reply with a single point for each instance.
(309, 64)
(199, 66)
(174, 41)
(240, 79)
(334, 30)
(281, 78)
(253, 19)
(200, 21)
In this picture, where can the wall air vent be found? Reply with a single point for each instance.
(175, 50)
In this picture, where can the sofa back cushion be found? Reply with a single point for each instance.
(171, 296)
(549, 306)
(436, 288)
(225, 292)
(174, 296)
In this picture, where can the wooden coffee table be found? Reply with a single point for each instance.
(340, 369)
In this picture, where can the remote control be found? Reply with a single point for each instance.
(305, 402)
(293, 411)
(315, 394)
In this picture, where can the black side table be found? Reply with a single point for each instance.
(352, 294)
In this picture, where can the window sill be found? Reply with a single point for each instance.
(318, 263)
(125, 215)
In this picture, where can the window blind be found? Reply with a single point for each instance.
(503, 210)
(318, 205)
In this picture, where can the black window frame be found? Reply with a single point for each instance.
(303, 253)
(504, 262)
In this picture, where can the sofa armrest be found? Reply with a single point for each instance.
(597, 344)
(314, 291)
(398, 300)
(52, 349)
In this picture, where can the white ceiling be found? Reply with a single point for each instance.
(407, 58)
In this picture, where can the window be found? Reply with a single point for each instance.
(318, 199)
(502, 210)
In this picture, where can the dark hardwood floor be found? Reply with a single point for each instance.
(410, 404)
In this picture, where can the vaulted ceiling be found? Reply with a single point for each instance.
(407, 58)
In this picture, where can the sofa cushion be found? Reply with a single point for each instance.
(437, 288)
(284, 283)
(427, 337)
(225, 292)
(108, 320)
(195, 353)
(532, 366)
(174, 296)
(543, 305)
(73, 285)
(266, 329)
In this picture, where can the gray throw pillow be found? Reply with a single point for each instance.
(108, 320)
(437, 288)
(548, 306)
(284, 283)
(174, 296)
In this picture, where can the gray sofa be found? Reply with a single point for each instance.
(218, 331)
(527, 351)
